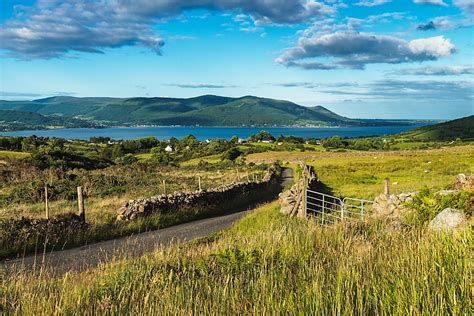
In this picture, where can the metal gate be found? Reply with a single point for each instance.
(331, 208)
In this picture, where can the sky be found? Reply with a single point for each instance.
(362, 59)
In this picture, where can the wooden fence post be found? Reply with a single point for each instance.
(248, 179)
(386, 188)
(46, 201)
(164, 187)
(199, 182)
(238, 175)
(80, 203)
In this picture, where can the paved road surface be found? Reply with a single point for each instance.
(81, 258)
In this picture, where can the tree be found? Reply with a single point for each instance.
(231, 154)
(262, 136)
(333, 142)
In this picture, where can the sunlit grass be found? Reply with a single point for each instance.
(5, 154)
(208, 159)
(361, 174)
(269, 264)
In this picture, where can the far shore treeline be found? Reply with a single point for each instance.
(101, 151)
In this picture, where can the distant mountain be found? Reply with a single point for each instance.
(462, 128)
(206, 110)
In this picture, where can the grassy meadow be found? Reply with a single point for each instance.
(269, 264)
(361, 174)
(106, 189)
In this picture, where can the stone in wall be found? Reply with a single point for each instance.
(391, 206)
(191, 200)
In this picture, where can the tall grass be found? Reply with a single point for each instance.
(269, 264)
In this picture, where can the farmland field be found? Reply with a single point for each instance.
(361, 174)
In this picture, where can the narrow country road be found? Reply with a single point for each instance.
(85, 257)
(82, 258)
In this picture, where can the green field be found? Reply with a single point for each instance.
(269, 264)
(361, 174)
(208, 159)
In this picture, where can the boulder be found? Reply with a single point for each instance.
(448, 219)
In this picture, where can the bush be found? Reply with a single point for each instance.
(426, 205)
(128, 159)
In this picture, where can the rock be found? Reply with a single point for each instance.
(391, 206)
(463, 182)
(446, 192)
(448, 219)
(122, 210)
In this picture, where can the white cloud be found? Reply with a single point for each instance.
(440, 3)
(435, 47)
(54, 28)
(372, 3)
(357, 49)
(466, 5)
(438, 71)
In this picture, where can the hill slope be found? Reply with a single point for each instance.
(461, 128)
(207, 110)
(15, 120)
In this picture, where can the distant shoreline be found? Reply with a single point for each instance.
(400, 122)
(223, 132)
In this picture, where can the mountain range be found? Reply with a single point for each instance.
(206, 110)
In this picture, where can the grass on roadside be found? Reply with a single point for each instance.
(269, 264)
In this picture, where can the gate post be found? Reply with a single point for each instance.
(80, 204)
(305, 196)
(386, 188)
(343, 204)
(322, 215)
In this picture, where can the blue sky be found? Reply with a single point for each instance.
(362, 58)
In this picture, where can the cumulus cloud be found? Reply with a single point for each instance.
(372, 3)
(357, 49)
(439, 71)
(53, 28)
(440, 3)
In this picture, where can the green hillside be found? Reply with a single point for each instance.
(15, 120)
(207, 110)
(462, 128)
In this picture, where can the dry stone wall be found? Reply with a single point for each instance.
(210, 199)
(292, 201)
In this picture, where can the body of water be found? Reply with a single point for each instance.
(203, 133)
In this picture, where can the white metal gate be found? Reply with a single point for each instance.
(331, 208)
